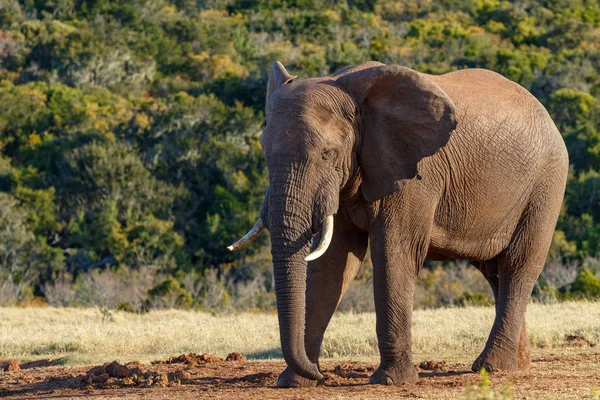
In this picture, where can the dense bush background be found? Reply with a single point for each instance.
(129, 136)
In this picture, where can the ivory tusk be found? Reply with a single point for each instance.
(326, 235)
(249, 237)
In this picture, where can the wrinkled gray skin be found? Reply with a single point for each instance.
(462, 165)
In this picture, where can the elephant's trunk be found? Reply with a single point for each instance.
(290, 221)
(290, 288)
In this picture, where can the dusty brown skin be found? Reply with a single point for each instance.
(462, 165)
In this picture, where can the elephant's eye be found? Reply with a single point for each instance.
(327, 154)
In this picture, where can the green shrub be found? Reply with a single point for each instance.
(474, 299)
(586, 285)
(482, 391)
(169, 294)
(130, 131)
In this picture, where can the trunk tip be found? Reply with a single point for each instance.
(316, 374)
(306, 369)
(312, 373)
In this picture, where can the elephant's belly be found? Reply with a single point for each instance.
(436, 256)
(478, 222)
(445, 246)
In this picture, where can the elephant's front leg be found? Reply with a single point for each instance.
(397, 257)
(394, 284)
(327, 280)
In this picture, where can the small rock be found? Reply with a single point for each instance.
(161, 380)
(100, 378)
(149, 374)
(116, 370)
(134, 364)
(128, 382)
(190, 358)
(178, 376)
(99, 370)
(576, 340)
(112, 382)
(12, 366)
(235, 356)
(136, 371)
(340, 370)
(209, 358)
(431, 365)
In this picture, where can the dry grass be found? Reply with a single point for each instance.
(86, 336)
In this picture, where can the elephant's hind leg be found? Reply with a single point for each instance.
(327, 281)
(519, 266)
(490, 272)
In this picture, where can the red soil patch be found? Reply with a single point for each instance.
(13, 365)
(552, 375)
(433, 365)
(192, 359)
(235, 356)
(577, 341)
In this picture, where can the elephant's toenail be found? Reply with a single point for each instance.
(389, 381)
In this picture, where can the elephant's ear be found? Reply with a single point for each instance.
(277, 77)
(404, 116)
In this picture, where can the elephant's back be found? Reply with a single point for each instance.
(489, 105)
(504, 143)
(503, 118)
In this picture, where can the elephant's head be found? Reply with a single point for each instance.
(370, 122)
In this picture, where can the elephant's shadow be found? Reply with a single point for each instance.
(270, 354)
(441, 374)
(334, 376)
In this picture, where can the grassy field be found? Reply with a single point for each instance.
(87, 336)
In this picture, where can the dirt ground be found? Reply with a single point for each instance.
(553, 375)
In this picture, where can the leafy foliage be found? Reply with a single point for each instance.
(129, 130)
(585, 285)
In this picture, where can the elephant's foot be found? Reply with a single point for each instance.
(495, 361)
(394, 375)
(289, 379)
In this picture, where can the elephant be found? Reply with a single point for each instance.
(464, 165)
